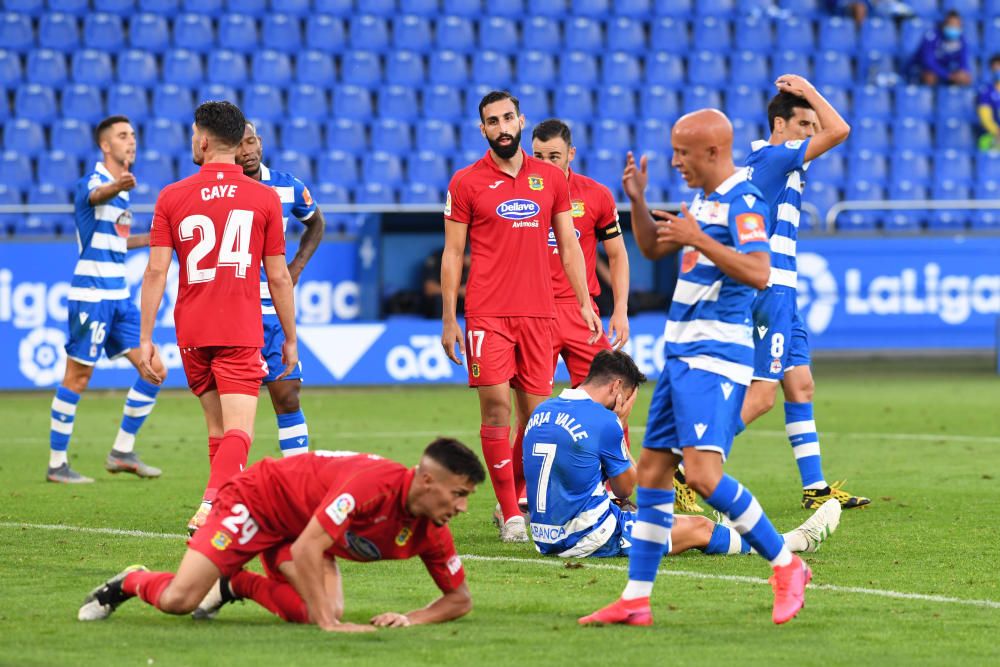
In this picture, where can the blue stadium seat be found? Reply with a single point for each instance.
(47, 223)
(905, 220)
(404, 68)
(924, 7)
(448, 68)
(574, 102)
(149, 32)
(746, 102)
(950, 219)
(791, 62)
(660, 103)
(138, 68)
(954, 133)
(333, 7)
(498, 33)
(271, 67)
(711, 30)
(46, 67)
(16, 32)
(745, 132)
(31, 8)
(829, 168)
(822, 196)
(169, 137)
(35, 102)
(24, 136)
(83, 102)
(750, 69)
(352, 102)
(74, 137)
(391, 136)
(315, 67)
(953, 164)
(492, 68)
(833, 68)
(155, 169)
(227, 67)
(866, 165)
(216, 91)
(368, 32)
(871, 134)
(194, 32)
(796, 35)
(307, 101)
(374, 193)
(550, 8)
(58, 168)
(534, 101)
(752, 33)
(103, 31)
(237, 32)
(700, 97)
(872, 102)
(879, 34)
(292, 162)
(35, 225)
(437, 136)
(263, 102)
(634, 8)
(302, 135)
(173, 102)
(281, 32)
(669, 34)
(665, 69)
(955, 102)
(442, 103)
(212, 8)
(412, 33)
(337, 167)
(541, 33)
(182, 67)
(11, 73)
(381, 167)
(15, 170)
(914, 102)
(346, 135)
(164, 7)
(419, 193)
(837, 33)
(326, 33)
(605, 167)
(8, 196)
(429, 168)
(471, 139)
(92, 67)
(384, 8)
(988, 167)
(129, 100)
(714, 7)
(577, 67)
(592, 8)
(626, 35)
(861, 220)
(913, 166)
(117, 7)
(583, 34)
(536, 67)
(611, 135)
(59, 32)
(396, 102)
(466, 8)
(616, 102)
(651, 134)
(455, 33)
(622, 69)
(361, 68)
(707, 68)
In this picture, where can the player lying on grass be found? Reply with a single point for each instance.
(574, 442)
(300, 514)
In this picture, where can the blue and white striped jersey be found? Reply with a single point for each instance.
(295, 200)
(101, 235)
(571, 445)
(708, 324)
(779, 171)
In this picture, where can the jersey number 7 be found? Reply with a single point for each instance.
(233, 251)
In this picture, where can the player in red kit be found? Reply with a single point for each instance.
(504, 206)
(222, 224)
(301, 514)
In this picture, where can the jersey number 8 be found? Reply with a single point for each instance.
(233, 251)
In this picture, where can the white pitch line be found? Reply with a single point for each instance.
(687, 574)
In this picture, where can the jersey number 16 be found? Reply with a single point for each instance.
(233, 251)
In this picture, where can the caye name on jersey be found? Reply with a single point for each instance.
(218, 192)
(569, 424)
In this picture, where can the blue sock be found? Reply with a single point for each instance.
(138, 404)
(737, 503)
(801, 430)
(61, 425)
(726, 540)
(293, 434)
(650, 539)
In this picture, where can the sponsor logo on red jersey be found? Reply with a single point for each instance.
(362, 548)
(341, 506)
(454, 564)
(518, 209)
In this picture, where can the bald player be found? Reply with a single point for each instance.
(695, 407)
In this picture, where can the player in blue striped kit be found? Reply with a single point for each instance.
(709, 361)
(293, 434)
(804, 126)
(102, 318)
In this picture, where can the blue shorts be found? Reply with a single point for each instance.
(111, 326)
(620, 543)
(693, 408)
(780, 339)
(274, 338)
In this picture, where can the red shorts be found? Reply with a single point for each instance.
(230, 370)
(230, 537)
(510, 349)
(569, 338)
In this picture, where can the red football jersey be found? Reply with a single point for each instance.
(509, 220)
(595, 217)
(359, 499)
(221, 224)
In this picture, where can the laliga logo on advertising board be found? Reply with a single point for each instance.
(817, 291)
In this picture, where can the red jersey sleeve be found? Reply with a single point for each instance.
(456, 204)
(160, 233)
(342, 500)
(441, 561)
(274, 232)
(560, 198)
(607, 222)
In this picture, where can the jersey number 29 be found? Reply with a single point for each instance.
(233, 251)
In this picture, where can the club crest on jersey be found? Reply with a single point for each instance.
(454, 564)
(404, 536)
(123, 223)
(750, 227)
(221, 541)
(536, 182)
(341, 506)
(552, 237)
(307, 197)
(579, 208)
(689, 259)
(776, 365)
(475, 370)
(518, 209)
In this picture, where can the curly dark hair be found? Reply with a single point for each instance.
(223, 120)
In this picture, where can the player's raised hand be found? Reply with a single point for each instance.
(451, 334)
(683, 229)
(593, 323)
(618, 329)
(794, 84)
(635, 178)
(126, 181)
(289, 357)
(147, 356)
(391, 619)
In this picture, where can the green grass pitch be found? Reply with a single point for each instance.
(922, 440)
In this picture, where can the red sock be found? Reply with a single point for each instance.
(280, 599)
(520, 488)
(230, 458)
(496, 451)
(147, 585)
(213, 448)
(628, 443)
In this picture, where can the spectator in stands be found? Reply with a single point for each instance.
(988, 108)
(860, 9)
(943, 55)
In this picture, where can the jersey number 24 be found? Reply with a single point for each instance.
(233, 251)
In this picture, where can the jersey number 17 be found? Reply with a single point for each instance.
(233, 251)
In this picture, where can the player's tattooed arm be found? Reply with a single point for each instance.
(452, 263)
(315, 226)
(451, 605)
(635, 178)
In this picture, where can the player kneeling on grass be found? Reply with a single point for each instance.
(574, 442)
(300, 514)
